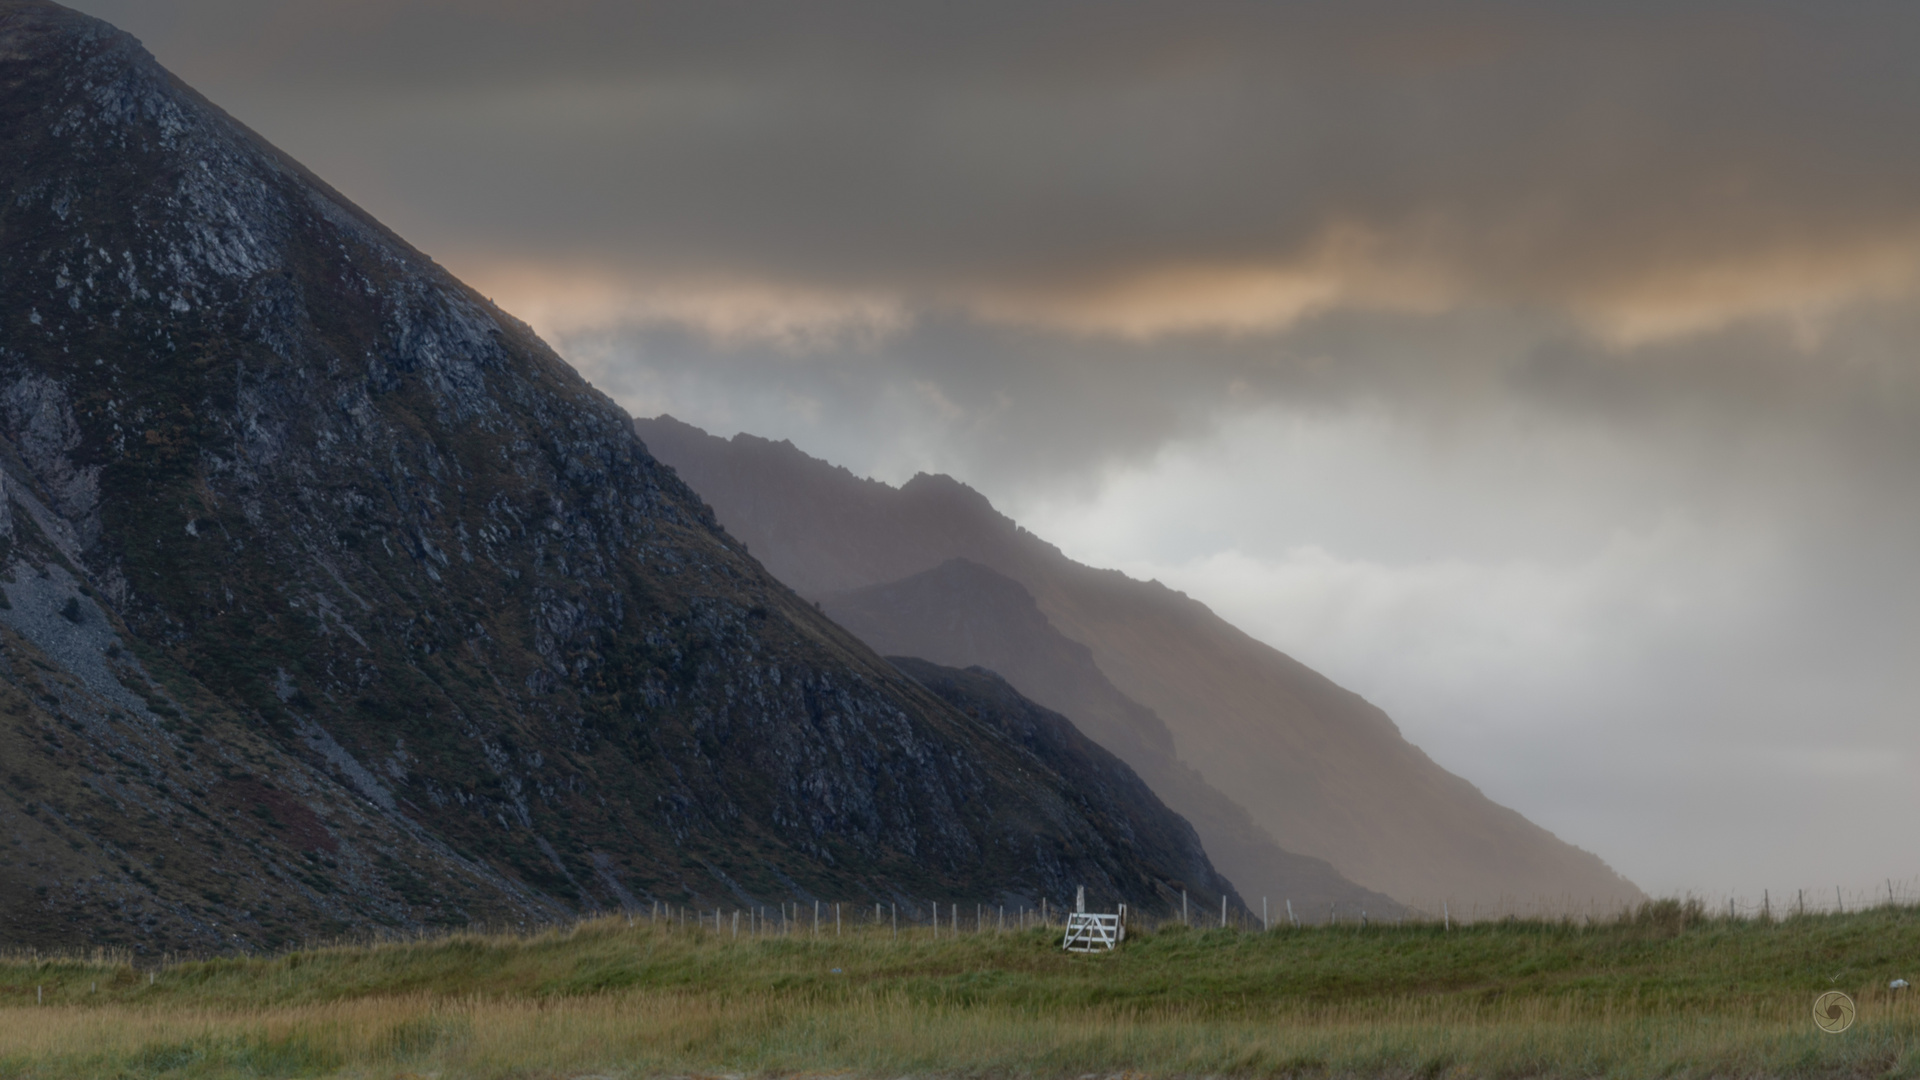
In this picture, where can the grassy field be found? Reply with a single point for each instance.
(1668, 993)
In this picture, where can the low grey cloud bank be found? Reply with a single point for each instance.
(1545, 372)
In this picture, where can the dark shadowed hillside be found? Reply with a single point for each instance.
(333, 599)
(1318, 768)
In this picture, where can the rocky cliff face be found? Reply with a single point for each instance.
(334, 598)
(1321, 771)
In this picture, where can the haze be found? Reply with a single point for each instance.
(1545, 373)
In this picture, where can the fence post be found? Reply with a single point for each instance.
(836, 918)
(936, 919)
(1266, 924)
(1291, 917)
(1223, 911)
(1184, 921)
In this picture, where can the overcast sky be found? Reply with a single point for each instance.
(1548, 373)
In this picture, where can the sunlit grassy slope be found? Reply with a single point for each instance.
(1667, 993)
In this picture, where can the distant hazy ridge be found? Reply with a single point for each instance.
(1322, 771)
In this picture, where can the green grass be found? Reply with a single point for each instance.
(1669, 993)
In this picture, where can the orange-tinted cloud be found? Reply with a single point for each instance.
(571, 298)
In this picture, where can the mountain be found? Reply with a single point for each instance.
(966, 615)
(1322, 771)
(330, 598)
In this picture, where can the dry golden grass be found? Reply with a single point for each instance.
(647, 1034)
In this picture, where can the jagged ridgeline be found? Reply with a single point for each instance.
(335, 599)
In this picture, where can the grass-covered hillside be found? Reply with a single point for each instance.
(1668, 992)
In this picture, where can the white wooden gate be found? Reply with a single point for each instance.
(1093, 932)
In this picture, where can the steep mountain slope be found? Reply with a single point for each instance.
(1321, 770)
(963, 614)
(333, 598)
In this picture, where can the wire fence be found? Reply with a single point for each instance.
(952, 918)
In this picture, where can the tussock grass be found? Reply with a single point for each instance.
(1667, 993)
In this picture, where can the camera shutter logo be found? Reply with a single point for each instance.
(1833, 1012)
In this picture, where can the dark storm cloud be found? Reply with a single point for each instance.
(1052, 162)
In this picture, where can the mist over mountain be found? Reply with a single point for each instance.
(333, 599)
(1321, 771)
